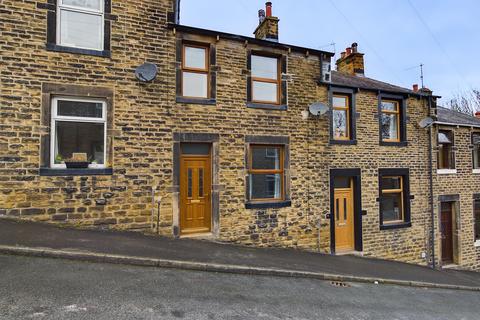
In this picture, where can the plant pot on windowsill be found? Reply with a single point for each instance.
(77, 164)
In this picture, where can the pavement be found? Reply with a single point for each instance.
(38, 239)
(56, 289)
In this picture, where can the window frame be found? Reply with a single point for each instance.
(55, 117)
(280, 171)
(395, 191)
(475, 150)
(348, 110)
(405, 197)
(205, 71)
(453, 164)
(390, 112)
(476, 237)
(277, 81)
(401, 122)
(64, 7)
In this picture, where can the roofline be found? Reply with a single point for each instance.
(457, 124)
(240, 38)
(406, 93)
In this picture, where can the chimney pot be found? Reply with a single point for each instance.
(354, 47)
(349, 51)
(477, 114)
(415, 87)
(261, 15)
(268, 7)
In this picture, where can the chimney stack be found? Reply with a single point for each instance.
(477, 114)
(351, 61)
(415, 87)
(268, 24)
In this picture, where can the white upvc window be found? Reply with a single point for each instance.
(78, 126)
(80, 24)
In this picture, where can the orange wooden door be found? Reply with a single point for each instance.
(195, 198)
(344, 220)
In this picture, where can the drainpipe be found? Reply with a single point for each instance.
(430, 177)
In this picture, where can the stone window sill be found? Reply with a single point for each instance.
(253, 105)
(477, 243)
(446, 171)
(201, 101)
(98, 53)
(75, 172)
(396, 226)
(476, 171)
(268, 205)
(343, 142)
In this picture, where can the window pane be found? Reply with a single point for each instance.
(266, 158)
(389, 126)
(79, 137)
(391, 183)
(195, 85)
(196, 148)
(195, 58)
(265, 186)
(81, 30)
(264, 91)
(264, 67)
(391, 207)
(477, 219)
(340, 102)
(80, 109)
(342, 182)
(444, 137)
(340, 124)
(88, 4)
(476, 157)
(389, 106)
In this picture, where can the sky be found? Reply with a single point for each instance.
(395, 35)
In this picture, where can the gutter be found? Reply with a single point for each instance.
(457, 124)
(239, 38)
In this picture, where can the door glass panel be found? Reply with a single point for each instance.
(201, 149)
(341, 182)
(190, 182)
(200, 182)
(345, 209)
(337, 210)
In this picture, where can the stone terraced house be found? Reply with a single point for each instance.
(115, 115)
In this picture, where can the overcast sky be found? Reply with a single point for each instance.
(395, 35)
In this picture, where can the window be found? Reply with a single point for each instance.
(195, 71)
(78, 126)
(476, 214)
(265, 80)
(394, 198)
(266, 173)
(390, 121)
(80, 24)
(341, 117)
(446, 155)
(476, 150)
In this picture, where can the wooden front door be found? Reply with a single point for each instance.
(447, 232)
(195, 198)
(344, 220)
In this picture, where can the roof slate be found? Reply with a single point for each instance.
(449, 116)
(342, 79)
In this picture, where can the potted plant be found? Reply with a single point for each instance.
(77, 161)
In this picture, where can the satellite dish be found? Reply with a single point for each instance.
(318, 109)
(426, 122)
(147, 72)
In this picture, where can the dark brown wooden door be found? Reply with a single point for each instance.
(447, 232)
(195, 199)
